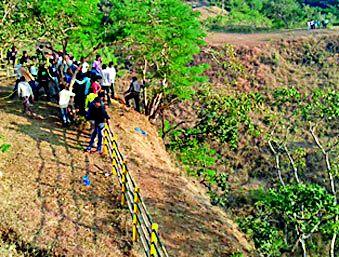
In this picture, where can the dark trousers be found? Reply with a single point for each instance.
(107, 90)
(15, 89)
(45, 85)
(98, 127)
(35, 88)
(136, 97)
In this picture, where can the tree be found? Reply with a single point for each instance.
(162, 36)
(295, 211)
(75, 25)
(283, 12)
(17, 22)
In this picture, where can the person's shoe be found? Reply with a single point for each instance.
(100, 152)
(88, 149)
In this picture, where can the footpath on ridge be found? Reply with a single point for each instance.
(255, 39)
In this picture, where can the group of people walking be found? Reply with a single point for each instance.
(80, 89)
(316, 24)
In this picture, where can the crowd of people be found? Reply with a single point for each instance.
(80, 89)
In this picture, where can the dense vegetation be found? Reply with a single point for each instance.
(161, 38)
(262, 135)
(264, 142)
(250, 15)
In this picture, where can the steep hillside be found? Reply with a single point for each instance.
(190, 225)
(45, 207)
(277, 95)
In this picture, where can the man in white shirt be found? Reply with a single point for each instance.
(18, 72)
(112, 74)
(106, 82)
(25, 92)
(64, 99)
(84, 65)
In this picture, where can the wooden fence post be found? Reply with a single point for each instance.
(123, 186)
(114, 165)
(105, 148)
(154, 240)
(135, 214)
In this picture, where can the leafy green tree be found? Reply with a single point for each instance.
(17, 22)
(162, 36)
(75, 26)
(223, 118)
(289, 216)
(283, 12)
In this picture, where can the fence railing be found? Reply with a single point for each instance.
(6, 73)
(143, 228)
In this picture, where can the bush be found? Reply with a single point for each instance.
(3, 146)
(237, 21)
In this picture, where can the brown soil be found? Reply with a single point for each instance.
(45, 206)
(255, 39)
(189, 224)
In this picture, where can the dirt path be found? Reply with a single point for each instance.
(44, 206)
(254, 39)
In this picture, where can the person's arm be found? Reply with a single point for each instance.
(87, 87)
(39, 74)
(80, 82)
(130, 88)
(19, 89)
(106, 116)
(113, 75)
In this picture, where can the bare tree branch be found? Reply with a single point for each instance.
(295, 170)
(332, 182)
(277, 162)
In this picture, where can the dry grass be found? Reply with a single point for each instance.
(44, 207)
(189, 224)
(256, 39)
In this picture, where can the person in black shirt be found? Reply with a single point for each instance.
(11, 55)
(53, 72)
(44, 79)
(98, 114)
(40, 54)
(24, 58)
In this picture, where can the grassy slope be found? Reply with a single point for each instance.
(188, 222)
(218, 39)
(305, 63)
(45, 208)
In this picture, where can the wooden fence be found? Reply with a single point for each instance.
(143, 228)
